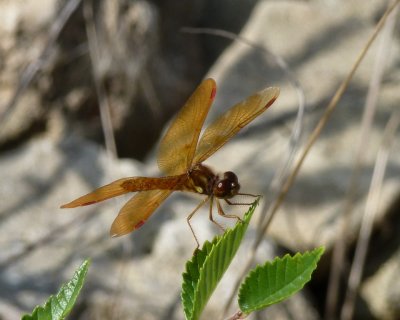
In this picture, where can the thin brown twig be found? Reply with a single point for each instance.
(237, 316)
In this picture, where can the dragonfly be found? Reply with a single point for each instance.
(180, 157)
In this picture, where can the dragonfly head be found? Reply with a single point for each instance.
(226, 186)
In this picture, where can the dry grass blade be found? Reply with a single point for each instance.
(371, 208)
(362, 146)
(94, 51)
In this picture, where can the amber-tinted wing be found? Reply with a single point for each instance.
(137, 210)
(126, 185)
(108, 191)
(229, 124)
(178, 146)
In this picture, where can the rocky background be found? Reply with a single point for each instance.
(62, 61)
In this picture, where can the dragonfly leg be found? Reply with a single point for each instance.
(211, 215)
(190, 217)
(242, 203)
(223, 214)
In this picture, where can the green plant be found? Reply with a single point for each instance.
(265, 285)
(60, 305)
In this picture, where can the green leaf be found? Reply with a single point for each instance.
(273, 282)
(208, 265)
(59, 306)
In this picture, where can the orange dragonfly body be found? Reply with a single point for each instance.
(180, 156)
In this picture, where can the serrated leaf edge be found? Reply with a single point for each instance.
(319, 251)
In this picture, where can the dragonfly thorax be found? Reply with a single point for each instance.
(204, 181)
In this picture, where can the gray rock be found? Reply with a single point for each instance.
(138, 276)
(382, 289)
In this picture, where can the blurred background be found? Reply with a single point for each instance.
(86, 90)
